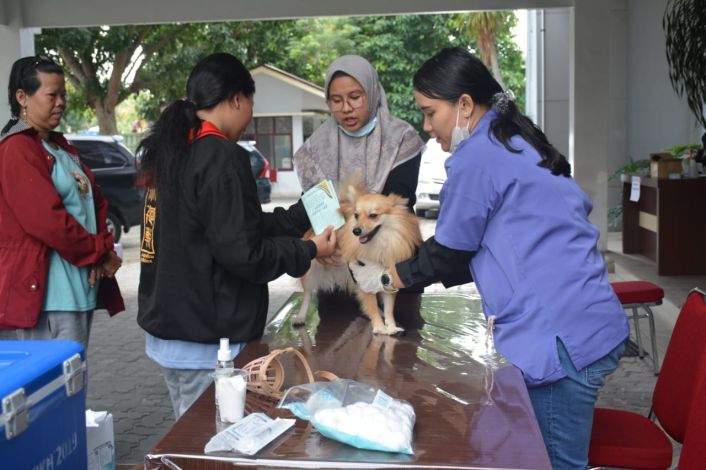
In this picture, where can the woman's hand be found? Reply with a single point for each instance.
(111, 264)
(107, 269)
(95, 275)
(334, 261)
(325, 243)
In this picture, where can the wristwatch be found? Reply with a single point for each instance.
(386, 281)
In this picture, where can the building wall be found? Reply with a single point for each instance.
(287, 184)
(10, 47)
(620, 78)
(275, 96)
(657, 117)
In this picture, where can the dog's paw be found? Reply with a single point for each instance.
(394, 330)
(389, 330)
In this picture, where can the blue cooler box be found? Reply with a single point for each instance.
(43, 398)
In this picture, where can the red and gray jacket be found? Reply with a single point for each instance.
(33, 221)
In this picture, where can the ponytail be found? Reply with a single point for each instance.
(165, 150)
(11, 122)
(454, 71)
(511, 122)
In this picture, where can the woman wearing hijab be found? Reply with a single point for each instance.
(361, 138)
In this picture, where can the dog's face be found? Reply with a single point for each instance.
(369, 212)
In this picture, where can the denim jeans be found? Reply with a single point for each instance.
(564, 409)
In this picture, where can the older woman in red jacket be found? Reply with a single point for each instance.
(56, 254)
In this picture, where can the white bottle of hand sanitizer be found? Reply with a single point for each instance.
(224, 369)
(225, 357)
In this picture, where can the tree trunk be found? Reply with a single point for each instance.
(495, 68)
(106, 119)
(489, 55)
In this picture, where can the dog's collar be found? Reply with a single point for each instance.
(370, 235)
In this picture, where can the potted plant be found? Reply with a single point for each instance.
(634, 167)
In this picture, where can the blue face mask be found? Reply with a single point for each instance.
(363, 131)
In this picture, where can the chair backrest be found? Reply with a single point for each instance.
(693, 452)
(683, 367)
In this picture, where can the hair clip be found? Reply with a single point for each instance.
(501, 100)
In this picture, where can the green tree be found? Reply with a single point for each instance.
(105, 65)
(397, 46)
(482, 28)
(490, 35)
(317, 43)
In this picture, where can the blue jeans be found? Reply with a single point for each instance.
(564, 409)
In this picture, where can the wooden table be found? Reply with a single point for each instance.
(472, 407)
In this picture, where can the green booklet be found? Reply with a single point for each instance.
(322, 207)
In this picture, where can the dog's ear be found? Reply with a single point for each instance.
(346, 209)
(398, 201)
(352, 193)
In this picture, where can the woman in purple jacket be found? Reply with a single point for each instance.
(510, 206)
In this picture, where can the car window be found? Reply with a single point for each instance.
(100, 155)
(257, 163)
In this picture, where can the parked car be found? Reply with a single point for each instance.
(115, 170)
(260, 170)
(432, 176)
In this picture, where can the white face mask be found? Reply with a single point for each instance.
(458, 134)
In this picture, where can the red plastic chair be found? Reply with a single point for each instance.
(693, 451)
(639, 296)
(628, 440)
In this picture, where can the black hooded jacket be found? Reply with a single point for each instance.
(206, 260)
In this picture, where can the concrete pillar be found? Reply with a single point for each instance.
(27, 41)
(548, 73)
(617, 115)
(591, 103)
(10, 50)
(534, 67)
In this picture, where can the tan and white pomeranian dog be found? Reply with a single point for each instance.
(380, 230)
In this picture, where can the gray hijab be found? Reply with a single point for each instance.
(331, 154)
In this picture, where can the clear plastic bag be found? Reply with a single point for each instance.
(248, 435)
(354, 413)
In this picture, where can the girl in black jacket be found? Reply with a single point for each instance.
(208, 251)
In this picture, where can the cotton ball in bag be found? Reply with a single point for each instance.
(390, 428)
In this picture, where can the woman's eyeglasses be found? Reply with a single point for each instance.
(337, 103)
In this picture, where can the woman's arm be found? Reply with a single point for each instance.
(432, 263)
(292, 221)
